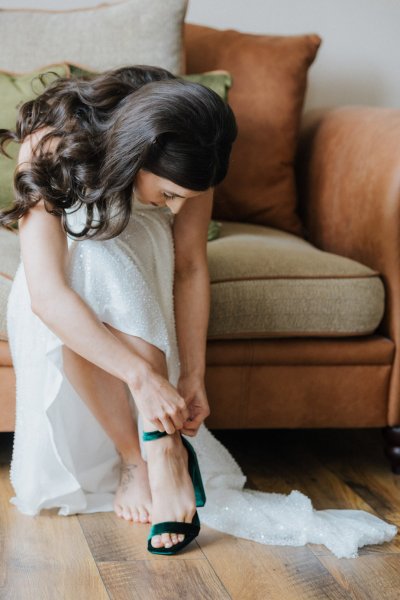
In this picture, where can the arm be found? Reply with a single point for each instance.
(192, 302)
(44, 254)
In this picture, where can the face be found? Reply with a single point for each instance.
(152, 189)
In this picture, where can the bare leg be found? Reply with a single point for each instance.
(108, 399)
(167, 458)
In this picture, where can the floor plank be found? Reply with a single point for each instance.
(45, 556)
(112, 538)
(251, 571)
(162, 579)
(365, 470)
(372, 578)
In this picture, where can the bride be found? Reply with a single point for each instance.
(108, 314)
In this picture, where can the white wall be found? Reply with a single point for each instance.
(358, 61)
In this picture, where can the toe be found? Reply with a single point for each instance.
(156, 541)
(118, 510)
(174, 538)
(135, 514)
(126, 513)
(181, 537)
(143, 514)
(166, 539)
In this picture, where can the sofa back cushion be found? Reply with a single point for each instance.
(269, 82)
(103, 37)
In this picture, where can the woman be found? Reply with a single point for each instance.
(108, 314)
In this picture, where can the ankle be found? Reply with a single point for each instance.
(130, 456)
(167, 443)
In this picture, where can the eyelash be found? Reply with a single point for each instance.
(168, 197)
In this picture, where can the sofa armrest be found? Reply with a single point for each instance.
(348, 175)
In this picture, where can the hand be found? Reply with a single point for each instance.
(192, 388)
(159, 402)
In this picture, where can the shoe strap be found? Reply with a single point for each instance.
(153, 435)
(190, 529)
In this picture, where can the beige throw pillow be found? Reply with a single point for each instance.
(104, 37)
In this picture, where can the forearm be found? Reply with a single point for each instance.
(78, 327)
(192, 309)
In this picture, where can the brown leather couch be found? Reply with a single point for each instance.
(348, 185)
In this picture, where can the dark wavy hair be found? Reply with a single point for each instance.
(107, 128)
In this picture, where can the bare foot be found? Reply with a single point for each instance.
(133, 497)
(171, 486)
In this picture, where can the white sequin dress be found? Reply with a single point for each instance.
(63, 458)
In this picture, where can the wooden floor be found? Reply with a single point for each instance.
(100, 556)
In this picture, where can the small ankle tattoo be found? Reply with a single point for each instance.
(127, 474)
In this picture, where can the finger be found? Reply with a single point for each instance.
(179, 412)
(183, 408)
(185, 412)
(158, 425)
(168, 425)
(189, 431)
(195, 422)
(175, 416)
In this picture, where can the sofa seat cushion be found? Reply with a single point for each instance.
(265, 283)
(269, 283)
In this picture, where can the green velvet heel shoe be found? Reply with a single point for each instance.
(190, 530)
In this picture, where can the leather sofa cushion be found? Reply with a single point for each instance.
(270, 283)
(269, 81)
(266, 283)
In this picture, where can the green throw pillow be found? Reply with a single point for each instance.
(16, 89)
(219, 81)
